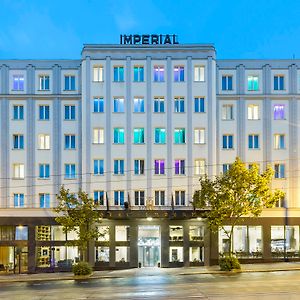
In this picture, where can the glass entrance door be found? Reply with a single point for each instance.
(149, 246)
(21, 260)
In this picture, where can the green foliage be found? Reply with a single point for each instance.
(240, 192)
(82, 268)
(78, 213)
(228, 263)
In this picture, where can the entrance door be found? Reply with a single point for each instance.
(149, 246)
(21, 260)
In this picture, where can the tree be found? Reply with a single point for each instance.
(239, 193)
(78, 213)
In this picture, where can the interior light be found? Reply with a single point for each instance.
(199, 219)
(149, 219)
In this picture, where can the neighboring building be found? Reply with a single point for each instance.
(140, 124)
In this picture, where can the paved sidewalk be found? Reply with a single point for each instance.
(272, 267)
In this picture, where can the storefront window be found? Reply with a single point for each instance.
(104, 233)
(285, 241)
(7, 233)
(176, 254)
(102, 254)
(176, 233)
(21, 233)
(61, 256)
(196, 254)
(122, 254)
(7, 258)
(196, 233)
(122, 233)
(72, 235)
(246, 241)
(57, 233)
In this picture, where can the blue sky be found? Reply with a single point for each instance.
(239, 29)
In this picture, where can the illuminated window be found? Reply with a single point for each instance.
(253, 83)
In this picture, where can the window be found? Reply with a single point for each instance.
(138, 136)
(179, 167)
(199, 136)
(99, 197)
(118, 73)
(139, 197)
(18, 82)
(227, 83)
(200, 168)
(119, 105)
(70, 171)
(98, 105)
(18, 200)
(44, 171)
(119, 167)
(44, 112)
(253, 112)
(70, 83)
(179, 197)
(253, 141)
(278, 83)
(179, 136)
(98, 73)
(179, 104)
(199, 105)
(138, 105)
(18, 171)
(98, 166)
(44, 200)
(159, 198)
(279, 142)
(253, 83)
(279, 170)
(119, 137)
(159, 166)
(159, 73)
(69, 112)
(138, 73)
(18, 112)
(227, 112)
(70, 141)
(139, 166)
(227, 141)
(279, 112)
(44, 82)
(199, 73)
(226, 168)
(159, 135)
(159, 105)
(18, 141)
(98, 137)
(119, 197)
(178, 73)
(281, 202)
(44, 141)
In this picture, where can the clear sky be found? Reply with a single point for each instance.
(239, 29)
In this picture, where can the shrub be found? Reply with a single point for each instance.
(82, 268)
(228, 263)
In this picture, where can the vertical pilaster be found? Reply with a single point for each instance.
(30, 76)
(266, 237)
(267, 131)
(240, 79)
(30, 164)
(4, 150)
(56, 147)
(186, 250)
(88, 141)
(164, 234)
(208, 245)
(241, 130)
(149, 159)
(128, 112)
(189, 122)
(112, 245)
(108, 134)
(4, 79)
(133, 232)
(31, 249)
(170, 131)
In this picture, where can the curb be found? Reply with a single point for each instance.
(16, 280)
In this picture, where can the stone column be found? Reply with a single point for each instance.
(186, 242)
(112, 246)
(133, 232)
(164, 234)
(31, 249)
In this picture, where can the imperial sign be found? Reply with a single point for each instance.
(148, 39)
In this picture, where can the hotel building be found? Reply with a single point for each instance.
(135, 126)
